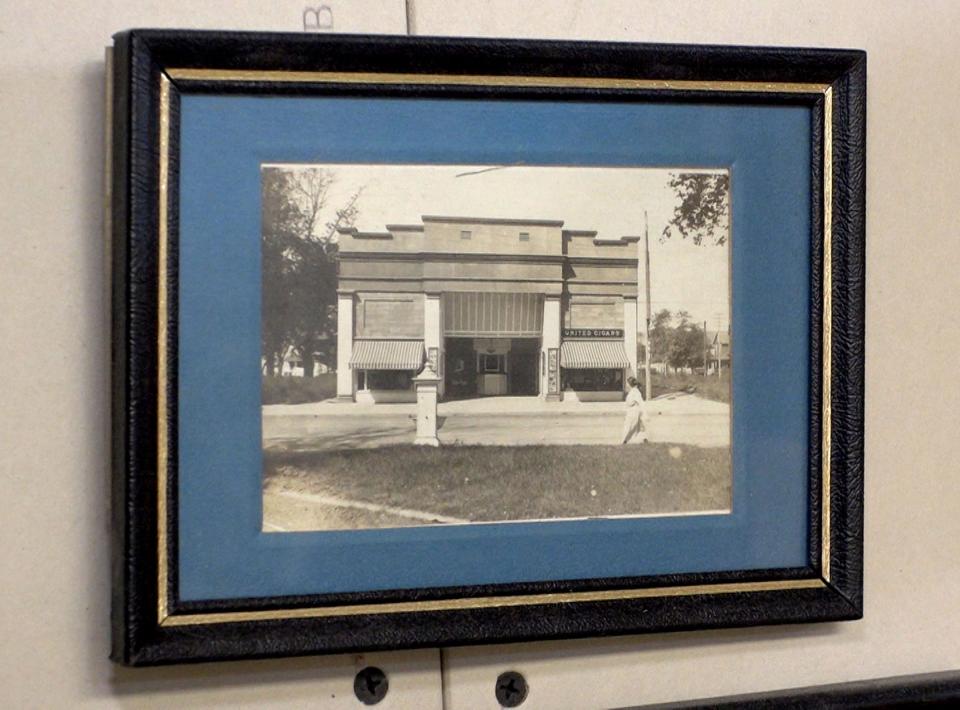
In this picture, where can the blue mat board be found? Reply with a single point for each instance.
(224, 139)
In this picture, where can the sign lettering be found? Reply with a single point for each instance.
(613, 333)
(553, 384)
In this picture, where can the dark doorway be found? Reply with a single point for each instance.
(464, 366)
(524, 360)
(460, 369)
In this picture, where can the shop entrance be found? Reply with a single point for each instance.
(524, 357)
(488, 367)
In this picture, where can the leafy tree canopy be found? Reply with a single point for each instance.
(703, 211)
(299, 253)
(676, 340)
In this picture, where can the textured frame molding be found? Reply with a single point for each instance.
(151, 69)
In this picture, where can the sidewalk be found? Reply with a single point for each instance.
(668, 404)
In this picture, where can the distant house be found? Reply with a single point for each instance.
(719, 341)
(292, 365)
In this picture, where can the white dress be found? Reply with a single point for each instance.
(633, 419)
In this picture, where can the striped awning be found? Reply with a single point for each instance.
(492, 314)
(593, 354)
(387, 355)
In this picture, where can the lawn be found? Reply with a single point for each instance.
(488, 483)
(297, 390)
(710, 387)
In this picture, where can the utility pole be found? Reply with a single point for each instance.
(706, 348)
(648, 392)
(719, 344)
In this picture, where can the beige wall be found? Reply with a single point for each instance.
(445, 237)
(580, 245)
(440, 259)
(593, 312)
(597, 278)
(54, 435)
(371, 267)
(463, 267)
(388, 315)
(461, 274)
(397, 240)
(487, 238)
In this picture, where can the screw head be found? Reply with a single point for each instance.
(511, 689)
(370, 685)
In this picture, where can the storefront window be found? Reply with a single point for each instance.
(599, 380)
(492, 363)
(389, 379)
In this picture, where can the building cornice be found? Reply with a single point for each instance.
(421, 280)
(424, 256)
(466, 258)
(602, 261)
(356, 234)
(493, 220)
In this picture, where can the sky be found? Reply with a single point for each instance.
(612, 201)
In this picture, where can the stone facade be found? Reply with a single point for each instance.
(490, 299)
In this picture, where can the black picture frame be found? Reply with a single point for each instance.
(151, 69)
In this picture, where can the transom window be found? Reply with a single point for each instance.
(492, 363)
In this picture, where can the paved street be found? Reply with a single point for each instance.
(496, 421)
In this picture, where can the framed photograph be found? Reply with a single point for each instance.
(434, 341)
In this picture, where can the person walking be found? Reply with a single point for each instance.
(633, 419)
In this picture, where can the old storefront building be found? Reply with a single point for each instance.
(495, 306)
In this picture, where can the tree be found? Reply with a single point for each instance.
(660, 334)
(300, 266)
(676, 340)
(686, 343)
(279, 227)
(703, 212)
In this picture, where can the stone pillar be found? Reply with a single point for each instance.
(550, 350)
(426, 384)
(433, 335)
(345, 378)
(630, 337)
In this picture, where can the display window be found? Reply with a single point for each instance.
(386, 379)
(593, 380)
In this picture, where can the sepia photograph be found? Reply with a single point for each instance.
(462, 344)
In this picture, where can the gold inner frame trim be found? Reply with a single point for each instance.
(165, 618)
(490, 602)
(321, 77)
(163, 443)
(827, 339)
